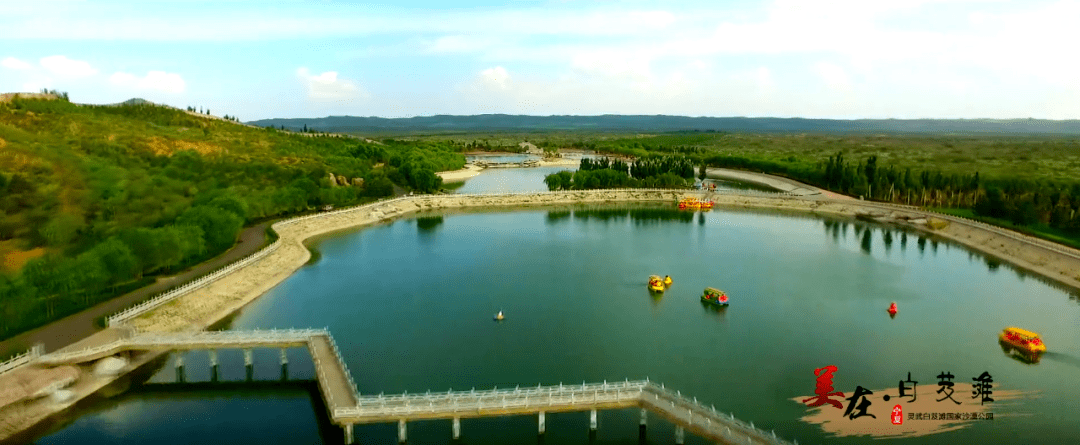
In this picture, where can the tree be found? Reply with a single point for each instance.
(219, 227)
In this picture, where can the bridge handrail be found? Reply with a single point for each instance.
(223, 337)
(164, 340)
(18, 360)
(63, 356)
(710, 415)
(472, 400)
(185, 288)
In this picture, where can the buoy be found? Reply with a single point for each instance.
(892, 309)
(499, 316)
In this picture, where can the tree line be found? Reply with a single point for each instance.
(1041, 204)
(650, 172)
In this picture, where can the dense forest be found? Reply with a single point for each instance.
(95, 200)
(1029, 184)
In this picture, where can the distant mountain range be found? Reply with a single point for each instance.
(661, 123)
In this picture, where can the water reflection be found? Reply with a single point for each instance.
(638, 216)
(558, 215)
(428, 223)
(866, 240)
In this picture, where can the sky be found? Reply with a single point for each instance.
(841, 59)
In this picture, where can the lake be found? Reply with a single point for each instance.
(410, 303)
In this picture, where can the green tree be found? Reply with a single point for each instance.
(219, 227)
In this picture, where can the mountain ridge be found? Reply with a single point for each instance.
(667, 123)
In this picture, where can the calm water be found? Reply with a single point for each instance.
(410, 303)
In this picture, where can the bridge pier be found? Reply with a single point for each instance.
(180, 366)
(402, 436)
(213, 365)
(348, 434)
(249, 361)
(642, 423)
(680, 435)
(542, 423)
(592, 420)
(456, 428)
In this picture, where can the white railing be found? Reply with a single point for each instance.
(537, 398)
(151, 340)
(697, 415)
(170, 295)
(224, 338)
(62, 357)
(687, 412)
(20, 359)
(344, 367)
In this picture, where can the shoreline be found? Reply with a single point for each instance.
(204, 307)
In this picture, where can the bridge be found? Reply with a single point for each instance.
(346, 407)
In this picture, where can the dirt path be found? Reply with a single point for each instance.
(75, 327)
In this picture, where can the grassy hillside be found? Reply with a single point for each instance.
(94, 198)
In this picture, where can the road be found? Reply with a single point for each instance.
(77, 326)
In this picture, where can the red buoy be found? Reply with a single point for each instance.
(892, 309)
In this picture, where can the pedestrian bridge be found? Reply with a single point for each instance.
(346, 407)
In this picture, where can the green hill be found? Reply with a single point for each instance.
(93, 198)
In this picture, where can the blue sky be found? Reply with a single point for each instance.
(787, 58)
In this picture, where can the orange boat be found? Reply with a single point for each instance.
(692, 203)
(1023, 340)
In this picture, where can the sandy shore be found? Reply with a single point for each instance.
(204, 307)
(469, 171)
(559, 162)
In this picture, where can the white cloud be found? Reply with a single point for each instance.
(65, 67)
(834, 76)
(15, 64)
(327, 86)
(161, 81)
(495, 77)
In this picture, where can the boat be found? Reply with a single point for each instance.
(714, 296)
(692, 203)
(655, 283)
(499, 316)
(1023, 340)
(667, 280)
(689, 203)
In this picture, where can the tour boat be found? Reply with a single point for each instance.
(714, 296)
(892, 309)
(689, 203)
(655, 283)
(692, 203)
(1023, 340)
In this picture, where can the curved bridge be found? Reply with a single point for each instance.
(347, 407)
